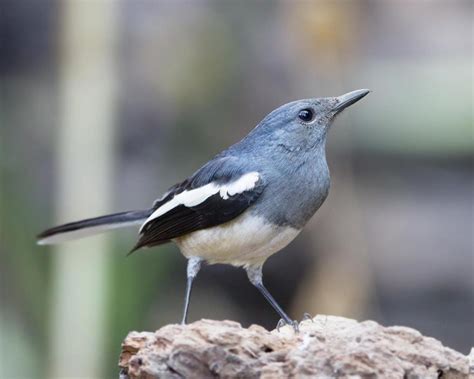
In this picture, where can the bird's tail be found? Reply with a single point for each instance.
(84, 228)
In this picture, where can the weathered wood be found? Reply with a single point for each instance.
(325, 347)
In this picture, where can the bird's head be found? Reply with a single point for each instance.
(303, 124)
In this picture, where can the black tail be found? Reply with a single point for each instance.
(84, 228)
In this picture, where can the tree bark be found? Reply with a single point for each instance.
(326, 347)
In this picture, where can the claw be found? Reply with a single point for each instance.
(307, 316)
(296, 326)
(282, 323)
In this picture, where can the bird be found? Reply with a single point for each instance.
(245, 204)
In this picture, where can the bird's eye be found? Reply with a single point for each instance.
(306, 115)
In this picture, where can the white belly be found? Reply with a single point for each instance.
(245, 241)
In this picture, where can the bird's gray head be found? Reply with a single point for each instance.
(302, 125)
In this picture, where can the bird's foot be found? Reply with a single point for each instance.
(293, 324)
(306, 317)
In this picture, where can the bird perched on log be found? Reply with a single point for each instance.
(245, 204)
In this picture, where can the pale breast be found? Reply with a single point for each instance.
(247, 240)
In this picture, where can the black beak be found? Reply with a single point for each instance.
(350, 98)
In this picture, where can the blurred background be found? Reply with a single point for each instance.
(105, 104)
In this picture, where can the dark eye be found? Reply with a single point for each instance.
(306, 115)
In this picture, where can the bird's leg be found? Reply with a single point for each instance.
(194, 265)
(255, 276)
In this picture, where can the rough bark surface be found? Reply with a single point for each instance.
(325, 347)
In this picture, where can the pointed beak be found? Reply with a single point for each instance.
(350, 98)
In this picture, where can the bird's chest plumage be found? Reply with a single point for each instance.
(247, 240)
(301, 190)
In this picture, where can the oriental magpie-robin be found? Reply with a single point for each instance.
(246, 203)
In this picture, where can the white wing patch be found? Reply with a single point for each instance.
(199, 195)
(244, 183)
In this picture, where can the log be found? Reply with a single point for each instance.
(325, 347)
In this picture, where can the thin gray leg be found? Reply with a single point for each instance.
(194, 265)
(255, 276)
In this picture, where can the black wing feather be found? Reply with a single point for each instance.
(182, 220)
